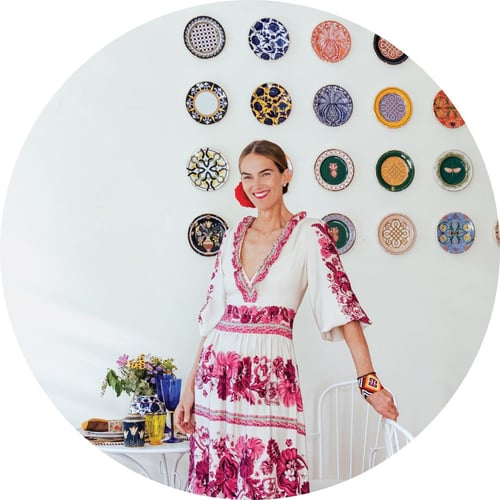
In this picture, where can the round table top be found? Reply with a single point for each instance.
(163, 449)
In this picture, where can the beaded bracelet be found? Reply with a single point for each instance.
(368, 384)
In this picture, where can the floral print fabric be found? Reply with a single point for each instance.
(249, 441)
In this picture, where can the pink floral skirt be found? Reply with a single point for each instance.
(250, 434)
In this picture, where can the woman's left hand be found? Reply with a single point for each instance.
(383, 403)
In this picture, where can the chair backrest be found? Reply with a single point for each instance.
(349, 437)
(395, 437)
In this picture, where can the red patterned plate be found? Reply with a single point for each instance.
(446, 112)
(331, 41)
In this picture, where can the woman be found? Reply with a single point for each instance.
(242, 403)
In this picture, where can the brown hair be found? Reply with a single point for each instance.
(271, 151)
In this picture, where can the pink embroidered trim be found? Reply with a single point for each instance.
(211, 286)
(249, 290)
(269, 320)
(339, 282)
(249, 420)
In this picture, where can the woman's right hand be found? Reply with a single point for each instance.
(183, 415)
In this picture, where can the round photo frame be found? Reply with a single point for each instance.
(205, 234)
(341, 230)
(334, 169)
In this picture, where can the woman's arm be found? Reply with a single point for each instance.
(382, 401)
(184, 418)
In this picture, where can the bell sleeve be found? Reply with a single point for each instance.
(215, 303)
(332, 300)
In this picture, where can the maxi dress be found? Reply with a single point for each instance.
(249, 439)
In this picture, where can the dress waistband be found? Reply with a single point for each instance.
(253, 319)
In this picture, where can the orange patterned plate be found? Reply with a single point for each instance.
(446, 112)
(331, 41)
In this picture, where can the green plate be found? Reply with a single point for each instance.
(395, 170)
(453, 170)
(334, 169)
(341, 230)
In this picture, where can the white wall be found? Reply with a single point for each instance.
(94, 231)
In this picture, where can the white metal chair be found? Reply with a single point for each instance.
(349, 435)
(395, 436)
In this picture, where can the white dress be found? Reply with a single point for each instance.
(249, 440)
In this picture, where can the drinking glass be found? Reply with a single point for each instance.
(169, 391)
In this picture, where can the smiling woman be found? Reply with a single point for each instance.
(96, 258)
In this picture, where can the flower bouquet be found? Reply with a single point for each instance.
(137, 376)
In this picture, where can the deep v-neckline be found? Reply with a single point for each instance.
(246, 285)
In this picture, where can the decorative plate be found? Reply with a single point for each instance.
(445, 111)
(269, 39)
(453, 170)
(387, 52)
(395, 170)
(204, 37)
(206, 102)
(456, 232)
(205, 234)
(396, 234)
(334, 169)
(207, 169)
(341, 230)
(393, 107)
(331, 41)
(271, 104)
(333, 105)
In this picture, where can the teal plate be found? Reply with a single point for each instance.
(395, 170)
(342, 231)
(334, 169)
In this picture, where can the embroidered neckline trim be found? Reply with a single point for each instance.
(249, 289)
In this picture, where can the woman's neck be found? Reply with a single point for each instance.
(268, 221)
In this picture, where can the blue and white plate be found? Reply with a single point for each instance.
(269, 39)
(332, 105)
(206, 103)
(204, 37)
(456, 232)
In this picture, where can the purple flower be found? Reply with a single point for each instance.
(122, 360)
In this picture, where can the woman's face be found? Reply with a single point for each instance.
(262, 181)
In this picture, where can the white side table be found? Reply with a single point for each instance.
(128, 456)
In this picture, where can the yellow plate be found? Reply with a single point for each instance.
(393, 107)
